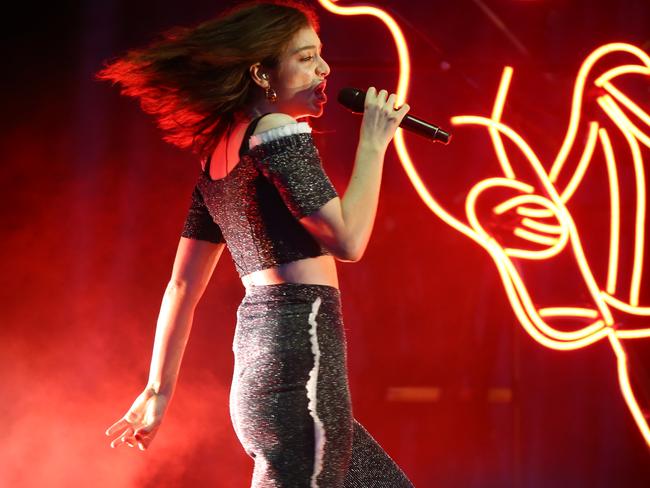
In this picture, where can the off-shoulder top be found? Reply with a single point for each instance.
(255, 209)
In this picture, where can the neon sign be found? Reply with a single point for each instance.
(544, 222)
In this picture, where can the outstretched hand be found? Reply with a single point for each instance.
(140, 424)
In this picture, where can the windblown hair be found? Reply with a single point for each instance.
(195, 79)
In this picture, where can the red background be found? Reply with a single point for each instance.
(93, 205)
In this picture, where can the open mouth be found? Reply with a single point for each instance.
(320, 91)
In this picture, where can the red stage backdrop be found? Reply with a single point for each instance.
(441, 371)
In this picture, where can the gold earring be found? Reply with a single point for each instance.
(270, 94)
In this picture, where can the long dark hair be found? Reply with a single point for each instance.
(195, 79)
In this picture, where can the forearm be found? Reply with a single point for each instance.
(172, 333)
(359, 204)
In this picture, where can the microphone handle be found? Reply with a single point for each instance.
(353, 99)
(424, 129)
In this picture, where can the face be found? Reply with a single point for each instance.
(300, 75)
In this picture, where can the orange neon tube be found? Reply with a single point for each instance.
(547, 225)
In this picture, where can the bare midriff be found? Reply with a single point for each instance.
(320, 270)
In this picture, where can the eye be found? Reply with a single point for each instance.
(308, 58)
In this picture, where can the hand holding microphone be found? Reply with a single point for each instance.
(357, 101)
(380, 119)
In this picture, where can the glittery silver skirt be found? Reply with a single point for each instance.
(290, 401)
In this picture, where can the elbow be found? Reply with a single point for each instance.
(183, 290)
(177, 286)
(337, 239)
(342, 252)
(346, 258)
(353, 258)
(351, 252)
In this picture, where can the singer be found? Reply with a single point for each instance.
(230, 89)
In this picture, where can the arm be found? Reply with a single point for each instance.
(193, 266)
(344, 225)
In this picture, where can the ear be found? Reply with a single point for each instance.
(259, 75)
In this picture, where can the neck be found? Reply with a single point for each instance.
(258, 108)
(263, 106)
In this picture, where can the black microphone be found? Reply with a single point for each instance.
(353, 99)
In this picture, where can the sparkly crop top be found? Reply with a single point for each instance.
(255, 208)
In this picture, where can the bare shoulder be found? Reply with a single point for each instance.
(273, 120)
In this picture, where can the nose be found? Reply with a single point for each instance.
(323, 69)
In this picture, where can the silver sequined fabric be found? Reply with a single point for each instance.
(255, 208)
(290, 401)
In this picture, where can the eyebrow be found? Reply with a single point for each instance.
(303, 48)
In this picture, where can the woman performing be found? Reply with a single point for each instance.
(231, 89)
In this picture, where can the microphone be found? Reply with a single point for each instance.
(353, 99)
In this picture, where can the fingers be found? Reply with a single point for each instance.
(125, 438)
(404, 108)
(128, 430)
(390, 103)
(139, 425)
(117, 426)
(381, 97)
(132, 436)
(142, 437)
(381, 117)
(371, 95)
(381, 100)
(402, 111)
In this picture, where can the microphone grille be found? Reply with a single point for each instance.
(352, 98)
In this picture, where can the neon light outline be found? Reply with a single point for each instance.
(552, 205)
